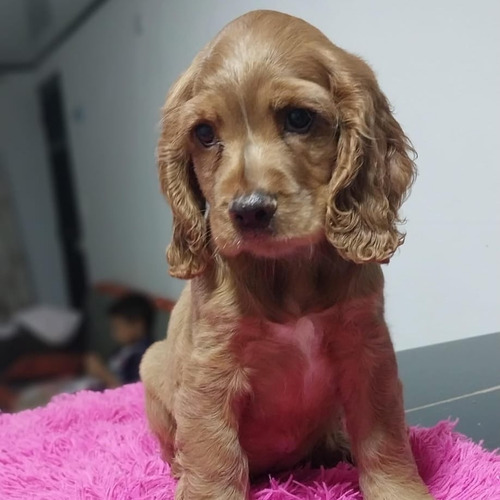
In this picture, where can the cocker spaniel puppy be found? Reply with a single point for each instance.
(285, 171)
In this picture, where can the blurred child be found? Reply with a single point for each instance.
(131, 324)
(131, 320)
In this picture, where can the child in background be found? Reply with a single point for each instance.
(131, 324)
(132, 319)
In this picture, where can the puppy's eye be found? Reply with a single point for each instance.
(298, 120)
(205, 134)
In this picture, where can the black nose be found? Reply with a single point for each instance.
(253, 211)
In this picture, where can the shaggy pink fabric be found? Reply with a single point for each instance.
(96, 446)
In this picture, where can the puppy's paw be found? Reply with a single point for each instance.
(391, 488)
(404, 495)
(191, 489)
(388, 492)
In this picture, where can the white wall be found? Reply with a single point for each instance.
(437, 62)
(24, 157)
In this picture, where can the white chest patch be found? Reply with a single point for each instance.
(302, 334)
(292, 394)
(306, 335)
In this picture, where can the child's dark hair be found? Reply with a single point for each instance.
(135, 307)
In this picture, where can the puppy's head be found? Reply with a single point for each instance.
(275, 139)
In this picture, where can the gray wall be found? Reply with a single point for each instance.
(24, 159)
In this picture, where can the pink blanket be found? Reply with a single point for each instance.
(96, 446)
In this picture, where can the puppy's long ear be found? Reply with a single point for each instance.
(374, 168)
(187, 253)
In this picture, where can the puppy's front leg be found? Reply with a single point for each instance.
(373, 404)
(209, 460)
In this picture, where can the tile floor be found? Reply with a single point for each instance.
(458, 379)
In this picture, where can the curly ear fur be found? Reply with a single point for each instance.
(187, 253)
(373, 171)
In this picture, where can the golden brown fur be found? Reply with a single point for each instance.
(278, 343)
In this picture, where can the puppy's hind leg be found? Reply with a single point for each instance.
(162, 425)
(161, 420)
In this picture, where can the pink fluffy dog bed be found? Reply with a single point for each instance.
(96, 446)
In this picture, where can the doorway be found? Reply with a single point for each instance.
(51, 103)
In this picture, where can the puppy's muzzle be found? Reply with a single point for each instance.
(253, 212)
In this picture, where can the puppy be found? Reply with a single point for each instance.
(285, 171)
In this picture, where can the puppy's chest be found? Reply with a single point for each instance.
(291, 375)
